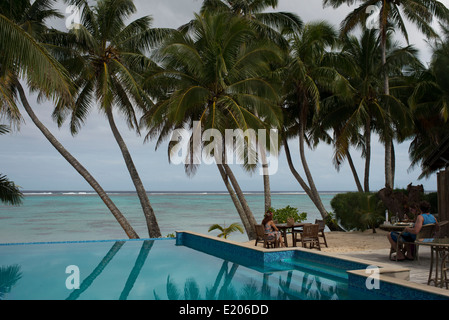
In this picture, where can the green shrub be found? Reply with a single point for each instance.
(432, 198)
(281, 215)
(358, 210)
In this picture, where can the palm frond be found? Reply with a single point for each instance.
(32, 61)
(9, 192)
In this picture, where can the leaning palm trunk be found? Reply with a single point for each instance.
(248, 227)
(314, 196)
(150, 217)
(243, 202)
(313, 190)
(354, 172)
(77, 166)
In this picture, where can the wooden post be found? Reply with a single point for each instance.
(443, 199)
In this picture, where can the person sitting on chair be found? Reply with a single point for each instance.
(270, 228)
(409, 233)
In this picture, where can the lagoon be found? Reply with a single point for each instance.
(76, 216)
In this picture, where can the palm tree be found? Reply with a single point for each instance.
(213, 77)
(268, 25)
(106, 60)
(22, 54)
(273, 26)
(359, 62)
(305, 76)
(429, 101)
(226, 231)
(419, 12)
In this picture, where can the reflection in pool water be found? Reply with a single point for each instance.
(159, 269)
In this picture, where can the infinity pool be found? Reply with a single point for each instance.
(162, 269)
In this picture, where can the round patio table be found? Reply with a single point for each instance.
(395, 227)
(439, 247)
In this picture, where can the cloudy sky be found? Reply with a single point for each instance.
(29, 159)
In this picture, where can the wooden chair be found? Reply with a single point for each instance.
(261, 236)
(427, 231)
(444, 270)
(308, 235)
(321, 225)
(295, 234)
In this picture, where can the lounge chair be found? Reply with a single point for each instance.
(261, 236)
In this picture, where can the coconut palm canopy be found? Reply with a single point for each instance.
(236, 65)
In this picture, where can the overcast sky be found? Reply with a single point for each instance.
(28, 158)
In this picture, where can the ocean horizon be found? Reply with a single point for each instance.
(77, 215)
(83, 192)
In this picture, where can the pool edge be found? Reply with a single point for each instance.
(389, 275)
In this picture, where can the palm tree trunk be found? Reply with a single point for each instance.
(393, 163)
(298, 177)
(150, 217)
(295, 173)
(367, 153)
(243, 202)
(248, 227)
(77, 166)
(266, 176)
(266, 181)
(388, 140)
(305, 166)
(316, 201)
(354, 171)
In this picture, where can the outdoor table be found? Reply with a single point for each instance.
(283, 229)
(439, 247)
(400, 226)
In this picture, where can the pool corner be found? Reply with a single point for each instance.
(394, 281)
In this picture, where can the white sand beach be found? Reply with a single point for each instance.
(371, 246)
(344, 242)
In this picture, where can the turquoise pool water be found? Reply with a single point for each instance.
(158, 269)
(188, 268)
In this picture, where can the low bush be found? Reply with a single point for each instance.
(358, 210)
(281, 215)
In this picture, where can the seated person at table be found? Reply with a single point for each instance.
(270, 228)
(409, 233)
